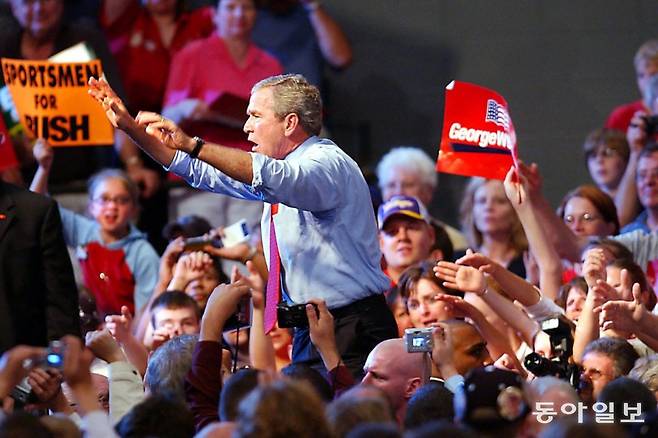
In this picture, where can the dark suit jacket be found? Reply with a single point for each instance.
(38, 295)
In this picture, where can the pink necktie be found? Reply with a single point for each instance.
(274, 279)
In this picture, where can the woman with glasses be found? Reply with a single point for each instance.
(119, 266)
(588, 211)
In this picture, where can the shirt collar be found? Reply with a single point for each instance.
(299, 150)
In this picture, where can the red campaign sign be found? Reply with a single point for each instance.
(7, 154)
(478, 136)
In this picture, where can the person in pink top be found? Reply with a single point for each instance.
(227, 62)
(224, 65)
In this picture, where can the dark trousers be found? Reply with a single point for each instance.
(359, 327)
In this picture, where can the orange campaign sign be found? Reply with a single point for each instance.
(478, 137)
(53, 103)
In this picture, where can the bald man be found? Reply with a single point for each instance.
(397, 373)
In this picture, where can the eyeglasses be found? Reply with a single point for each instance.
(414, 303)
(585, 217)
(118, 200)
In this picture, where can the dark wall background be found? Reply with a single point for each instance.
(562, 66)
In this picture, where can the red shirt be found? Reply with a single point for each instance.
(205, 70)
(144, 61)
(621, 116)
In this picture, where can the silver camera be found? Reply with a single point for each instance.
(418, 340)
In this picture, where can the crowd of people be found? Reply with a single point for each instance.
(328, 317)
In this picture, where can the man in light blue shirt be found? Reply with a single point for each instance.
(325, 226)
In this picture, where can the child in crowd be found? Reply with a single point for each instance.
(119, 266)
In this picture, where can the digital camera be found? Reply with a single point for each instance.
(651, 125)
(292, 315)
(559, 331)
(418, 340)
(55, 354)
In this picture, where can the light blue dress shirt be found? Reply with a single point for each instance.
(325, 225)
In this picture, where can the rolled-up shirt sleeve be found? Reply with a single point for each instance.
(202, 175)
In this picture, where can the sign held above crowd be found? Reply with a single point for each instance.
(53, 104)
(478, 137)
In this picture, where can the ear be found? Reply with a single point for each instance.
(436, 254)
(412, 385)
(291, 122)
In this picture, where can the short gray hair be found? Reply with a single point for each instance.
(168, 366)
(409, 158)
(293, 94)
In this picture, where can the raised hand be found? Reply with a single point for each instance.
(461, 277)
(636, 135)
(120, 325)
(222, 303)
(189, 267)
(459, 307)
(594, 266)
(43, 153)
(115, 110)
(601, 293)
(443, 350)
(621, 314)
(159, 337)
(516, 188)
(532, 179)
(478, 260)
(255, 283)
(104, 346)
(165, 130)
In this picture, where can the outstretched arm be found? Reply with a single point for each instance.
(44, 155)
(333, 42)
(550, 268)
(626, 200)
(472, 280)
(567, 244)
(117, 113)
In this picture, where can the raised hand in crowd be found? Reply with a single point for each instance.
(461, 277)
(588, 327)
(242, 252)
(623, 315)
(44, 154)
(223, 303)
(594, 263)
(120, 326)
(104, 346)
(443, 350)
(168, 262)
(189, 267)
(636, 135)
